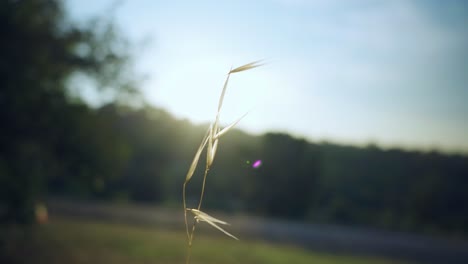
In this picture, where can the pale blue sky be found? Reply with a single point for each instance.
(393, 73)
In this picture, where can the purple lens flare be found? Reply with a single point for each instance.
(257, 164)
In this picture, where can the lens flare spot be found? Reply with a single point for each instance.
(257, 164)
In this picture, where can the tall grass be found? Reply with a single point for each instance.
(210, 142)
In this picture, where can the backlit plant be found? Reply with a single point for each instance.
(210, 142)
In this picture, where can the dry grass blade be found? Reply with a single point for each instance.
(226, 129)
(221, 97)
(193, 166)
(209, 149)
(211, 152)
(201, 216)
(215, 147)
(247, 66)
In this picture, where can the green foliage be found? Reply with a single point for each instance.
(47, 135)
(393, 189)
(290, 170)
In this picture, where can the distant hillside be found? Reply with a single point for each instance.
(317, 182)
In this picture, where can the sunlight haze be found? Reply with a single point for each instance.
(392, 73)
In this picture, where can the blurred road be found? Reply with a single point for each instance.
(325, 238)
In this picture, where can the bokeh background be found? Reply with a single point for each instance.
(354, 149)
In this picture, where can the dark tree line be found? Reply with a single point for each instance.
(53, 143)
(47, 134)
(367, 186)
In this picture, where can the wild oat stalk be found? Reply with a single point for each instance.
(211, 139)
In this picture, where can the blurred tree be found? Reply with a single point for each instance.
(149, 132)
(285, 182)
(45, 132)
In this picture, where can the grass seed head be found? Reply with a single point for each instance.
(247, 66)
(201, 216)
(212, 139)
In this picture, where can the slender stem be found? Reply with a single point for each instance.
(189, 246)
(189, 251)
(203, 187)
(192, 234)
(185, 211)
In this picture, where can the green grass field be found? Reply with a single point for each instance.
(78, 241)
